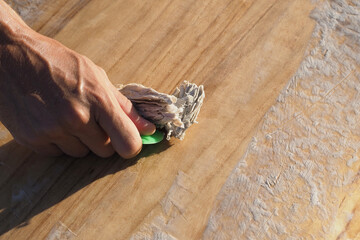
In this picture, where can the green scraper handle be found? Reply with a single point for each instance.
(152, 139)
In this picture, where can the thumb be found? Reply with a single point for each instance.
(123, 133)
(144, 126)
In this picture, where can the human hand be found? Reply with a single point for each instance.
(54, 100)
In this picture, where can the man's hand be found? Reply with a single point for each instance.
(54, 100)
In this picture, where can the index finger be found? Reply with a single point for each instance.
(123, 133)
(144, 126)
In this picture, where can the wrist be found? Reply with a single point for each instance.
(12, 27)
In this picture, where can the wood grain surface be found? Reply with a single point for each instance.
(299, 177)
(243, 52)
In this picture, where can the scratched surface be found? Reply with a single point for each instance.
(243, 52)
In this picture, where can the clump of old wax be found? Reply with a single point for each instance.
(175, 113)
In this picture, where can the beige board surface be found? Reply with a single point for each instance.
(299, 177)
(243, 52)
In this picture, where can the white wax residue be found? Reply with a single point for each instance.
(303, 161)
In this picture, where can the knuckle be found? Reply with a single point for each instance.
(102, 147)
(127, 104)
(105, 96)
(102, 100)
(75, 116)
(131, 149)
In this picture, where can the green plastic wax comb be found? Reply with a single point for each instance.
(152, 139)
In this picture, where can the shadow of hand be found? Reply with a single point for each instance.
(30, 184)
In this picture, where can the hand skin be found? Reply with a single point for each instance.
(54, 100)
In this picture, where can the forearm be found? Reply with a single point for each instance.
(22, 53)
(10, 22)
(15, 39)
(15, 35)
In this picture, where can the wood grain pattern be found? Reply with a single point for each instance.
(242, 51)
(299, 178)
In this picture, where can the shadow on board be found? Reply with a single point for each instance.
(30, 184)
